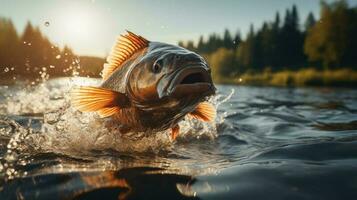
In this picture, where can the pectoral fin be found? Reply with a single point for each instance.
(93, 99)
(106, 112)
(205, 112)
(174, 132)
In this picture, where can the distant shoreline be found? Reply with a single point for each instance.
(301, 78)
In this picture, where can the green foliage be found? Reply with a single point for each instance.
(277, 53)
(333, 41)
(305, 77)
(281, 46)
(222, 61)
(214, 42)
(310, 21)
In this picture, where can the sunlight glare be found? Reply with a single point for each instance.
(76, 25)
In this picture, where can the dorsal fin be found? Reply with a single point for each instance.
(125, 46)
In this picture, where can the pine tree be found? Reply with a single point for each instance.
(227, 40)
(9, 43)
(237, 40)
(201, 45)
(310, 21)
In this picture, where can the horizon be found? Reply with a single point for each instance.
(90, 27)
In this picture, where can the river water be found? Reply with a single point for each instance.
(267, 143)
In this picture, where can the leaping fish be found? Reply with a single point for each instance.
(150, 86)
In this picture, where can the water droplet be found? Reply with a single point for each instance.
(10, 157)
(47, 23)
(58, 56)
(240, 80)
(6, 69)
(44, 69)
(12, 68)
(52, 66)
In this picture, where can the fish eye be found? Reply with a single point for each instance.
(156, 68)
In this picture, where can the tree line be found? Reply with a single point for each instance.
(285, 44)
(32, 55)
(281, 44)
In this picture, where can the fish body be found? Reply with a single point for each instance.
(150, 86)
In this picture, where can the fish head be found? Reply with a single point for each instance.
(168, 75)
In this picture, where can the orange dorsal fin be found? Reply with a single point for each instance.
(125, 46)
(205, 112)
(93, 99)
(175, 132)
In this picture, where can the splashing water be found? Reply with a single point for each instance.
(53, 126)
(287, 141)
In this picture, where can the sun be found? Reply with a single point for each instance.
(76, 25)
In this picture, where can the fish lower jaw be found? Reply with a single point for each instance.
(195, 89)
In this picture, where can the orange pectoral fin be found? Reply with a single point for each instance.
(174, 132)
(91, 99)
(205, 112)
(106, 112)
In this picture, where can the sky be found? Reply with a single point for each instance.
(90, 27)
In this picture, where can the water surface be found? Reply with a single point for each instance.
(267, 143)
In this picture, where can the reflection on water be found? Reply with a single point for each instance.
(337, 126)
(275, 143)
(133, 183)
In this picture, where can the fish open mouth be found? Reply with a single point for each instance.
(191, 80)
(194, 78)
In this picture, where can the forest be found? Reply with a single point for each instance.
(282, 52)
(285, 51)
(32, 56)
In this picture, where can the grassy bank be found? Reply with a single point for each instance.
(304, 77)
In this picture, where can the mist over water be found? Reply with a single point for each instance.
(299, 143)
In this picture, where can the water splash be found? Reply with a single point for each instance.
(62, 130)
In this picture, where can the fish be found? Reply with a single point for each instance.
(149, 86)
